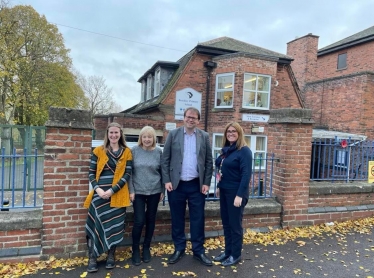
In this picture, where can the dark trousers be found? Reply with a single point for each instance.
(145, 210)
(232, 218)
(187, 192)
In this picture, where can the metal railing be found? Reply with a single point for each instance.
(340, 159)
(261, 184)
(21, 180)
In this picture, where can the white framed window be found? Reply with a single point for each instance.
(143, 94)
(224, 90)
(149, 87)
(257, 144)
(157, 83)
(256, 91)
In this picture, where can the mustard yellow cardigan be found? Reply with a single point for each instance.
(122, 197)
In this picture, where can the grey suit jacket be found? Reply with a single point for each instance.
(172, 157)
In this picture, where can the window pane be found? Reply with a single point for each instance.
(342, 61)
(250, 82)
(248, 141)
(263, 83)
(218, 141)
(249, 99)
(260, 143)
(259, 159)
(225, 82)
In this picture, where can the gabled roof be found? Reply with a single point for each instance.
(234, 45)
(216, 47)
(358, 38)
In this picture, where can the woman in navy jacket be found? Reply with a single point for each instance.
(233, 171)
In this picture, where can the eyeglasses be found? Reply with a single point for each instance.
(191, 118)
(232, 131)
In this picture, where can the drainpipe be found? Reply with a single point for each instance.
(210, 66)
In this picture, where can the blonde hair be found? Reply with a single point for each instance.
(147, 130)
(121, 141)
(240, 143)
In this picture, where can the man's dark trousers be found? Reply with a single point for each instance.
(187, 191)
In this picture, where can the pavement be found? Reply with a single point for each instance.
(328, 255)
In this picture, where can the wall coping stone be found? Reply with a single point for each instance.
(329, 188)
(30, 219)
(69, 118)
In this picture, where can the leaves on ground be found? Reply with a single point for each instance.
(274, 237)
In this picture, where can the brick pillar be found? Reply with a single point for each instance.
(67, 154)
(290, 136)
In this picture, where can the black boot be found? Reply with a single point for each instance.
(146, 254)
(92, 262)
(111, 261)
(135, 255)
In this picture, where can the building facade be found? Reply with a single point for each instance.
(337, 81)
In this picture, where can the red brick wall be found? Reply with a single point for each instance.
(65, 188)
(336, 200)
(343, 104)
(319, 218)
(359, 58)
(291, 144)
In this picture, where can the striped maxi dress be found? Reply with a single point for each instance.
(105, 225)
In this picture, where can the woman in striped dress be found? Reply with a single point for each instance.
(109, 173)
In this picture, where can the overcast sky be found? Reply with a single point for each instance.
(141, 32)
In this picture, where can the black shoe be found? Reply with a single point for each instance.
(146, 255)
(231, 261)
(202, 258)
(177, 255)
(136, 257)
(111, 261)
(221, 257)
(92, 265)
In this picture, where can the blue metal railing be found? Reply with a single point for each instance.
(261, 185)
(340, 159)
(21, 180)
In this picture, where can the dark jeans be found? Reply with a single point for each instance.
(145, 210)
(232, 218)
(187, 192)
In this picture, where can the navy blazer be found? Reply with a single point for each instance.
(172, 157)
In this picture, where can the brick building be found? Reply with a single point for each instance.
(337, 81)
(232, 80)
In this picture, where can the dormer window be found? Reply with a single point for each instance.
(157, 82)
(149, 87)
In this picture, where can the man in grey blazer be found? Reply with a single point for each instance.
(187, 167)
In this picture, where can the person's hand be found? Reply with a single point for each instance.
(161, 197)
(107, 194)
(169, 186)
(237, 201)
(132, 197)
(100, 192)
(205, 189)
(217, 192)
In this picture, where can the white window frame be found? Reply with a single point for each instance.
(157, 82)
(218, 91)
(252, 146)
(259, 103)
(143, 98)
(149, 87)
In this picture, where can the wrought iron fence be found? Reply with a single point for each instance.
(21, 179)
(340, 159)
